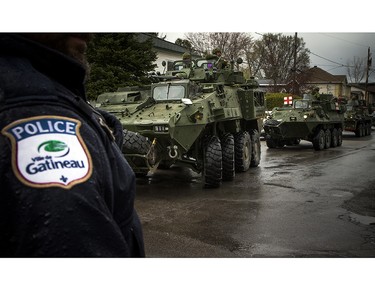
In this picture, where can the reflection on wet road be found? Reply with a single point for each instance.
(292, 205)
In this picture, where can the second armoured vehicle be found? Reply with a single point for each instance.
(357, 118)
(199, 116)
(318, 120)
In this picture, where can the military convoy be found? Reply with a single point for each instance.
(204, 115)
(318, 119)
(197, 115)
(357, 118)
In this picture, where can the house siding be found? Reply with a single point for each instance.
(167, 56)
(335, 89)
(165, 50)
(329, 84)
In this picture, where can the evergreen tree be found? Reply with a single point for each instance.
(184, 43)
(118, 60)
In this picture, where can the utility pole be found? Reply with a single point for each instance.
(369, 62)
(295, 63)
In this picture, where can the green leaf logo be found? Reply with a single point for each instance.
(54, 146)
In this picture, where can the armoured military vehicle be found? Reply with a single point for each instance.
(198, 116)
(127, 97)
(357, 118)
(318, 120)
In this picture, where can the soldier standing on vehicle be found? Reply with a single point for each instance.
(217, 55)
(66, 189)
(186, 57)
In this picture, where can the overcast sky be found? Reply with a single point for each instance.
(329, 51)
(332, 50)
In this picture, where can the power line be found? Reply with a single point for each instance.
(351, 42)
(334, 68)
(327, 65)
(336, 63)
(327, 59)
(314, 54)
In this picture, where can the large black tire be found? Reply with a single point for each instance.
(135, 143)
(365, 130)
(358, 131)
(165, 165)
(255, 151)
(227, 147)
(212, 170)
(319, 140)
(339, 137)
(334, 137)
(368, 129)
(328, 137)
(242, 147)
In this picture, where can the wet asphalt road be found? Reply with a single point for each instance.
(295, 204)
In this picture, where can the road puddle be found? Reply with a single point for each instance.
(367, 220)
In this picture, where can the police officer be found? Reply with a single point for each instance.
(66, 190)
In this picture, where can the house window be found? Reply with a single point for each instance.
(169, 65)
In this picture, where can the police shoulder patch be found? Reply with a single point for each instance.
(48, 151)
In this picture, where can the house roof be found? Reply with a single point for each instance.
(159, 43)
(318, 75)
(362, 86)
(265, 82)
(269, 83)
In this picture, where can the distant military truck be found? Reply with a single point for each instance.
(315, 118)
(357, 118)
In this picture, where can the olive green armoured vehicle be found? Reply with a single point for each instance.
(319, 121)
(198, 116)
(357, 118)
(126, 97)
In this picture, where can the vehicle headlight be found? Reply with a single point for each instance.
(196, 116)
(161, 128)
(305, 116)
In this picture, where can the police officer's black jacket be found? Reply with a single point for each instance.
(65, 188)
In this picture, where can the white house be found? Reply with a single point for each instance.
(166, 51)
(328, 83)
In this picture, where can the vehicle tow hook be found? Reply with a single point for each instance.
(172, 152)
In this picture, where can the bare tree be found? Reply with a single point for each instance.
(199, 41)
(273, 57)
(356, 69)
(270, 57)
(254, 63)
(231, 44)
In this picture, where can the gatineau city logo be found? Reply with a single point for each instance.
(54, 146)
(48, 151)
